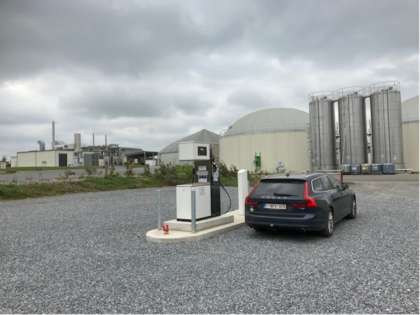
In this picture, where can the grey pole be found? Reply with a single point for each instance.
(193, 227)
(159, 223)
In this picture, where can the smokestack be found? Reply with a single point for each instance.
(77, 142)
(93, 136)
(105, 141)
(53, 135)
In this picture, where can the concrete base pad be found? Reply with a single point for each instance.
(199, 225)
(213, 226)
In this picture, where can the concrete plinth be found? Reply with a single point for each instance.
(180, 232)
(200, 225)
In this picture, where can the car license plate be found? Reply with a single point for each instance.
(275, 206)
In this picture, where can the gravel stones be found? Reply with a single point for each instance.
(87, 253)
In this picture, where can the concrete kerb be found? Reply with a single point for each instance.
(176, 236)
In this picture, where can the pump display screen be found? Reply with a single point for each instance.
(202, 151)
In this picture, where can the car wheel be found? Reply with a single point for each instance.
(353, 212)
(329, 228)
(259, 229)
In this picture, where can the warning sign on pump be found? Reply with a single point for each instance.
(202, 179)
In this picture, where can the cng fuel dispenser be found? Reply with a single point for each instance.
(205, 183)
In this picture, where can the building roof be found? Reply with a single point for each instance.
(203, 136)
(410, 109)
(269, 120)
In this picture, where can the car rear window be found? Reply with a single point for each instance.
(279, 187)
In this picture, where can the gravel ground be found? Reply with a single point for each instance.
(87, 253)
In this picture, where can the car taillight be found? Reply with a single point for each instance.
(310, 202)
(251, 203)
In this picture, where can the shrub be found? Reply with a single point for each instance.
(147, 169)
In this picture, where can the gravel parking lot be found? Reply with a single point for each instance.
(87, 253)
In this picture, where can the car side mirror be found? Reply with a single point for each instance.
(345, 186)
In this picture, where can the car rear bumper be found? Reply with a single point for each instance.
(309, 222)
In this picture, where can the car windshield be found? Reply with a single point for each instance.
(279, 187)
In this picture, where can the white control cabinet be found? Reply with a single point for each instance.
(202, 201)
(193, 151)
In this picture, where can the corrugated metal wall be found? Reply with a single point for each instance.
(411, 144)
(289, 147)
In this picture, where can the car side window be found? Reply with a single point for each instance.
(336, 184)
(317, 185)
(327, 184)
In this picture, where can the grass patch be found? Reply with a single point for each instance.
(163, 176)
(88, 184)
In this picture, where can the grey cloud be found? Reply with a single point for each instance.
(336, 32)
(135, 39)
(50, 34)
(249, 100)
(404, 70)
(191, 104)
(112, 103)
(116, 102)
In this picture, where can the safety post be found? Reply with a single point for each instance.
(159, 223)
(341, 176)
(193, 227)
(243, 187)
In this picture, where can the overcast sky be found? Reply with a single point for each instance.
(147, 73)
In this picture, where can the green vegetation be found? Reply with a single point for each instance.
(110, 180)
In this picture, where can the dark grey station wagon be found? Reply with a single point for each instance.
(309, 202)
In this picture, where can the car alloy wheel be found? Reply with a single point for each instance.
(353, 212)
(354, 208)
(330, 225)
(329, 228)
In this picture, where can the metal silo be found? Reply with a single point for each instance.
(352, 121)
(385, 105)
(322, 131)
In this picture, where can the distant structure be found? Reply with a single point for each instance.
(322, 131)
(79, 154)
(273, 140)
(350, 152)
(410, 126)
(169, 154)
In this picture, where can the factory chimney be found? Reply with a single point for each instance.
(53, 136)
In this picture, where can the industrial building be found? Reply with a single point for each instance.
(410, 127)
(169, 154)
(79, 154)
(360, 130)
(271, 140)
(383, 139)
